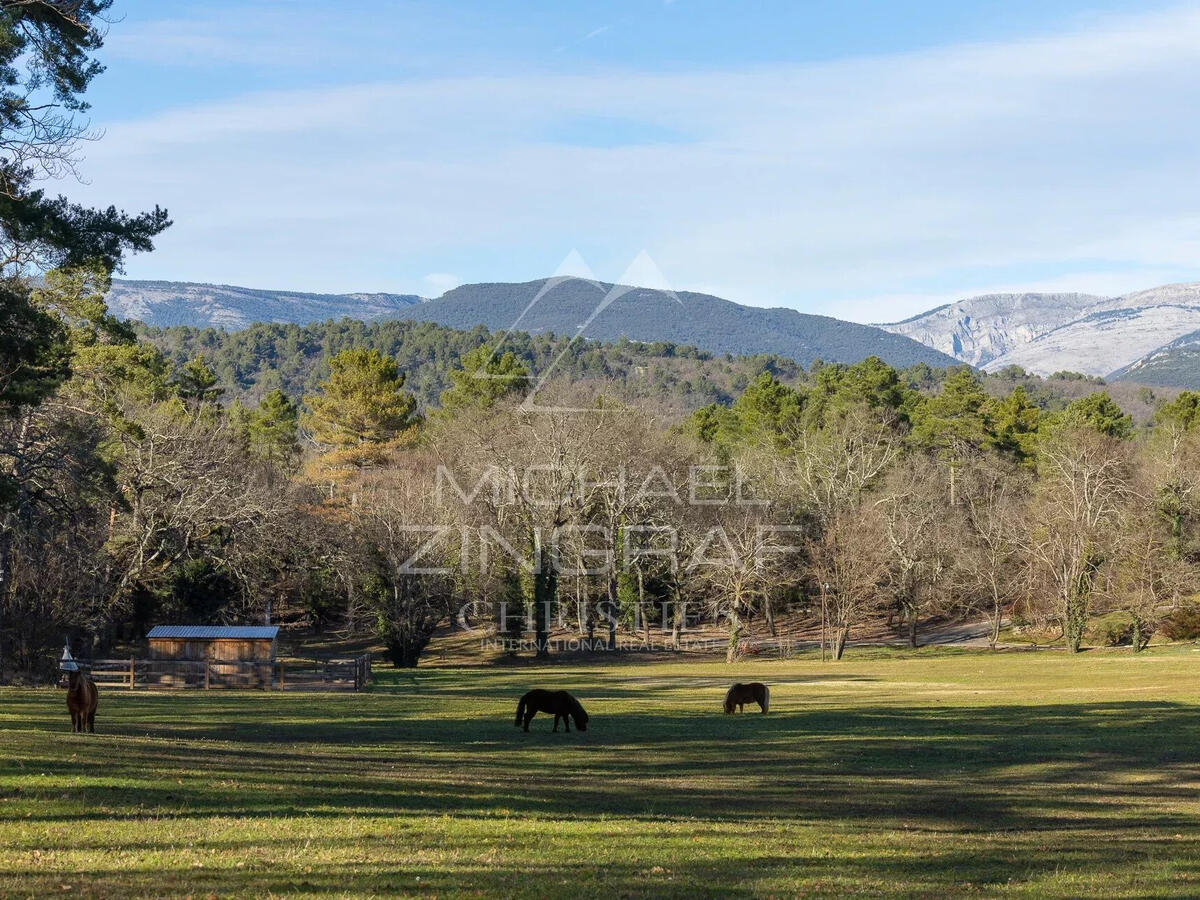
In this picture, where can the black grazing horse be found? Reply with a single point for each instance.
(741, 694)
(562, 704)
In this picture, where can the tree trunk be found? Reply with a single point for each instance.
(680, 615)
(545, 588)
(642, 608)
(612, 607)
(1078, 596)
(840, 638)
(5, 540)
(1075, 621)
(580, 606)
(735, 636)
(1141, 634)
(997, 618)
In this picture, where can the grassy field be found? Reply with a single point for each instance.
(926, 774)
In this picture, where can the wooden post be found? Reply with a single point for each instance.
(824, 618)
(206, 676)
(280, 676)
(131, 673)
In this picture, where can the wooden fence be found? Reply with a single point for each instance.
(290, 673)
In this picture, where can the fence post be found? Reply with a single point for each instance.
(281, 676)
(206, 676)
(131, 673)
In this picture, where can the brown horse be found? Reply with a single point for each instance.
(741, 694)
(562, 704)
(82, 700)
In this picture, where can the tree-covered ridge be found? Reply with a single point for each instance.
(294, 358)
(574, 306)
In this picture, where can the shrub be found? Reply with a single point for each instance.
(1112, 630)
(1183, 624)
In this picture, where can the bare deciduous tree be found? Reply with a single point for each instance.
(849, 562)
(1083, 484)
(994, 500)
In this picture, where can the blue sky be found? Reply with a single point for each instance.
(857, 158)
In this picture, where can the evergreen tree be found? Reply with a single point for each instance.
(362, 402)
(955, 422)
(47, 62)
(34, 354)
(767, 408)
(483, 379)
(197, 382)
(1015, 423)
(1100, 413)
(955, 419)
(274, 429)
(1181, 414)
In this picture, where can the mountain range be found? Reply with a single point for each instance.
(167, 303)
(1150, 336)
(569, 306)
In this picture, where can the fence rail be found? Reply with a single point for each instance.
(290, 673)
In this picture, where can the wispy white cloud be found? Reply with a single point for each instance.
(859, 187)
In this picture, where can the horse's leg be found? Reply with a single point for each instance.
(528, 719)
(567, 722)
(556, 721)
(92, 722)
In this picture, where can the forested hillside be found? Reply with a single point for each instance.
(571, 306)
(254, 361)
(607, 312)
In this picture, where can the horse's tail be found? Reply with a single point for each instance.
(766, 698)
(520, 711)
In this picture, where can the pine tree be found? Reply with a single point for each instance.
(362, 402)
(1015, 423)
(197, 382)
(274, 429)
(1100, 413)
(955, 422)
(484, 379)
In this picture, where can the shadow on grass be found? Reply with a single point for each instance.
(1008, 768)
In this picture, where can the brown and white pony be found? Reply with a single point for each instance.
(741, 694)
(82, 700)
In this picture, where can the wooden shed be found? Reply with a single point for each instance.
(215, 643)
(212, 655)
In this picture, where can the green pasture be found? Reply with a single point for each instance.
(930, 774)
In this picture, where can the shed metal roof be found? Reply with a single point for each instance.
(215, 632)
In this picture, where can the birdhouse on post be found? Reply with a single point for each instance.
(68, 664)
